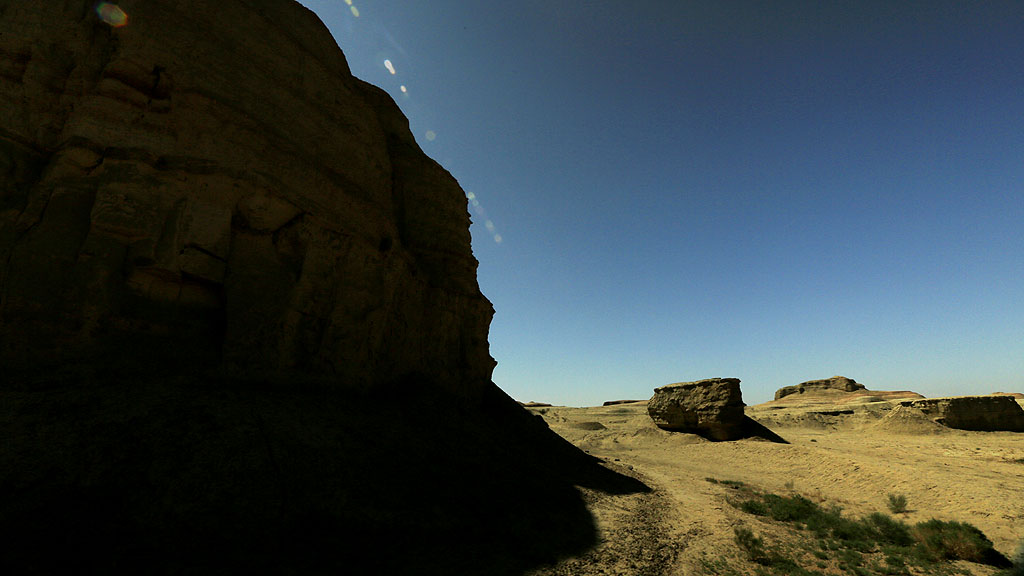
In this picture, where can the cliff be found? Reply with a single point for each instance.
(240, 327)
(209, 185)
(985, 413)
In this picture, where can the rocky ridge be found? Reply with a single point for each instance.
(840, 383)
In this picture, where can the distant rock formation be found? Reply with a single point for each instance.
(1015, 395)
(711, 407)
(617, 402)
(840, 383)
(182, 191)
(984, 413)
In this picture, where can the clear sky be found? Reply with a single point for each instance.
(665, 191)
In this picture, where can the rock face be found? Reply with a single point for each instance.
(209, 184)
(840, 383)
(711, 408)
(985, 413)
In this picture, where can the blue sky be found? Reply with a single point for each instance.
(773, 191)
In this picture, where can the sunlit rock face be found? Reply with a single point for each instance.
(712, 407)
(840, 383)
(206, 183)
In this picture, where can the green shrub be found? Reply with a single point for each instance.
(751, 545)
(897, 503)
(876, 535)
(954, 541)
(791, 508)
(730, 483)
(888, 531)
(755, 507)
(850, 557)
(853, 533)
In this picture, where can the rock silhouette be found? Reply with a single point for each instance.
(210, 184)
(240, 327)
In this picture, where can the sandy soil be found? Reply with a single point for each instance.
(685, 524)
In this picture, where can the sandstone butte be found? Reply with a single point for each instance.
(713, 406)
(840, 383)
(240, 326)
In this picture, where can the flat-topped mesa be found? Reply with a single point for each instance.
(840, 383)
(209, 185)
(983, 413)
(711, 407)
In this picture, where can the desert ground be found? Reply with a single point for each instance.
(684, 525)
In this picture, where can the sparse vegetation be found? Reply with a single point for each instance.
(730, 483)
(751, 545)
(876, 544)
(897, 503)
(955, 541)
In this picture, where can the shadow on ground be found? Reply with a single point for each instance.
(755, 430)
(218, 476)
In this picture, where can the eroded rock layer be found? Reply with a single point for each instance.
(711, 407)
(209, 184)
(984, 413)
(840, 383)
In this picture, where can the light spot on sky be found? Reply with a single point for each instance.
(482, 213)
(389, 66)
(355, 11)
(402, 88)
(431, 135)
(112, 14)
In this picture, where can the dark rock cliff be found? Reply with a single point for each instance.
(240, 327)
(210, 184)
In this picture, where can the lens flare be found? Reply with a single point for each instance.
(477, 211)
(488, 223)
(112, 14)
